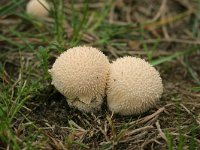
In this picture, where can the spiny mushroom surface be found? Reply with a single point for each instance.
(80, 74)
(134, 86)
(38, 8)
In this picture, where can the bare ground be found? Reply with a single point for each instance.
(175, 118)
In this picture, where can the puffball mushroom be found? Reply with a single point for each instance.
(38, 8)
(134, 86)
(80, 74)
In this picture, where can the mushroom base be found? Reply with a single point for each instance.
(127, 109)
(94, 106)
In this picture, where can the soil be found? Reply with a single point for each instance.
(175, 114)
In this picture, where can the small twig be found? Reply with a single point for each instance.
(139, 130)
(177, 134)
(147, 118)
(190, 113)
(136, 137)
(152, 121)
(113, 51)
(104, 133)
(160, 131)
(171, 40)
(185, 92)
(150, 141)
(160, 11)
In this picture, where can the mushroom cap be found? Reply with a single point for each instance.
(80, 74)
(134, 86)
(38, 8)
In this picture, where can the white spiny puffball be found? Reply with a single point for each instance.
(38, 8)
(133, 87)
(81, 74)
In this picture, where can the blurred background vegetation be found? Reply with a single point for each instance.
(33, 115)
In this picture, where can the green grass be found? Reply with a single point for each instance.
(78, 23)
(181, 140)
(13, 98)
(59, 19)
(10, 6)
(174, 56)
(43, 56)
(149, 52)
(30, 47)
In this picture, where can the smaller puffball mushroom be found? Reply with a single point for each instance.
(80, 74)
(38, 8)
(134, 86)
